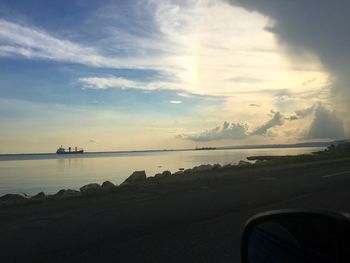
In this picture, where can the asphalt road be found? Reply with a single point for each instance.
(197, 221)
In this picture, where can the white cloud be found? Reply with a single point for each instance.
(35, 43)
(238, 131)
(123, 83)
(175, 101)
(234, 131)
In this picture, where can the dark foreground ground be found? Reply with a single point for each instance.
(197, 220)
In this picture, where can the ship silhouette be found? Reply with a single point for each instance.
(62, 150)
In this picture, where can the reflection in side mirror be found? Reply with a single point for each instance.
(296, 236)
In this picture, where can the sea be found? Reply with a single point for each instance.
(31, 174)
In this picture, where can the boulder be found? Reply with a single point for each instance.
(162, 175)
(136, 178)
(216, 166)
(178, 173)
(13, 199)
(203, 167)
(108, 186)
(90, 189)
(69, 193)
(188, 171)
(243, 163)
(60, 193)
(166, 173)
(39, 196)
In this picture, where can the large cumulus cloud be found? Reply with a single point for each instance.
(233, 131)
(325, 124)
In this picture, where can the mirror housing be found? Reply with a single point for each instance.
(296, 235)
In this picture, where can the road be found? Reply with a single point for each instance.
(199, 221)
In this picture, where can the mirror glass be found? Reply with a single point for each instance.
(293, 239)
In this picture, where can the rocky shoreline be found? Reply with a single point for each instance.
(137, 178)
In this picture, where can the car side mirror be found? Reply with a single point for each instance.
(296, 236)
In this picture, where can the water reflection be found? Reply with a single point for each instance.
(69, 162)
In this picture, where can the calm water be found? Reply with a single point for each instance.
(50, 173)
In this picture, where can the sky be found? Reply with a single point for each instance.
(148, 74)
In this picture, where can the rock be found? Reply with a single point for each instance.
(108, 186)
(216, 166)
(60, 193)
(39, 196)
(91, 189)
(178, 173)
(69, 193)
(188, 171)
(203, 167)
(243, 163)
(166, 173)
(136, 178)
(162, 175)
(13, 199)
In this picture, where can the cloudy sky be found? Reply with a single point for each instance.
(148, 74)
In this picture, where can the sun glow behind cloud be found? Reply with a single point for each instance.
(217, 49)
(226, 49)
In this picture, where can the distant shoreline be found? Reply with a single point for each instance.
(241, 147)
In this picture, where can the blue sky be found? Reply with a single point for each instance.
(146, 74)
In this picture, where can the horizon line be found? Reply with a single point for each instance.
(211, 148)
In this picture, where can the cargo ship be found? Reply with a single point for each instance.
(205, 148)
(62, 150)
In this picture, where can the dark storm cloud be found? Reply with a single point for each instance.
(318, 26)
(326, 124)
(305, 112)
(292, 118)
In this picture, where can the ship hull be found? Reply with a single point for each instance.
(75, 152)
